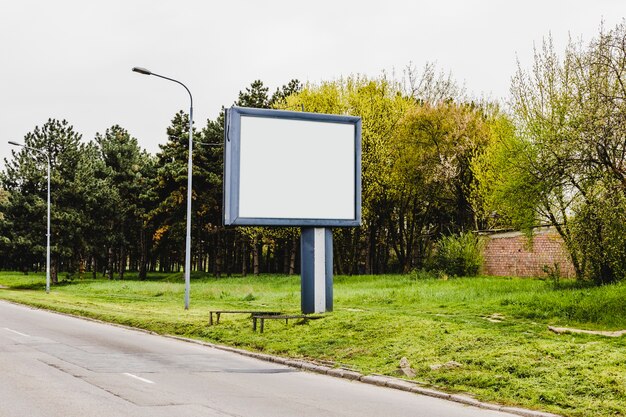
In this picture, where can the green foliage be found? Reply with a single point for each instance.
(75, 188)
(432, 176)
(258, 238)
(279, 98)
(418, 274)
(169, 188)
(122, 215)
(417, 145)
(254, 96)
(381, 107)
(553, 273)
(459, 255)
(505, 193)
(418, 142)
(599, 232)
(564, 163)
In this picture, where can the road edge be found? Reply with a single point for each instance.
(372, 379)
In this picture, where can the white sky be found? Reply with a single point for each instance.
(72, 59)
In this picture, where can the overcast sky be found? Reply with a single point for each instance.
(72, 59)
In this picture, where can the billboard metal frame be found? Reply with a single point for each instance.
(232, 149)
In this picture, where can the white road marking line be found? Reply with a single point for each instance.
(16, 332)
(147, 381)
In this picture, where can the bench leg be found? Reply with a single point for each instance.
(262, 324)
(218, 318)
(254, 324)
(210, 318)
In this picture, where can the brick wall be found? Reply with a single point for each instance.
(510, 254)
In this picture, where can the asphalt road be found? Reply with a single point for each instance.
(53, 365)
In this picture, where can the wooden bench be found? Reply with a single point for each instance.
(286, 317)
(218, 313)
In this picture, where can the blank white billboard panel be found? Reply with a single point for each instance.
(292, 168)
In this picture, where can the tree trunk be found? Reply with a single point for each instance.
(143, 254)
(227, 254)
(354, 268)
(218, 256)
(54, 270)
(109, 270)
(368, 252)
(122, 265)
(338, 262)
(268, 259)
(244, 258)
(292, 256)
(255, 256)
(286, 252)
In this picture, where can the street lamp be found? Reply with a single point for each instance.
(47, 155)
(189, 172)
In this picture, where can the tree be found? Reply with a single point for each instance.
(214, 248)
(259, 240)
(74, 184)
(254, 96)
(417, 144)
(381, 107)
(432, 176)
(170, 188)
(566, 166)
(127, 169)
(115, 208)
(279, 98)
(5, 241)
(431, 86)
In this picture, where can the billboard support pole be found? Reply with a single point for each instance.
(316, 267)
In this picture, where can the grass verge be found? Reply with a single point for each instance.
(494, 328)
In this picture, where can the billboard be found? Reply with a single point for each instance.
(284, 168)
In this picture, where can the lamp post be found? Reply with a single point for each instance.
(189, 173)
(47, 155)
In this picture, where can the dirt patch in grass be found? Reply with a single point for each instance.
(562, 330)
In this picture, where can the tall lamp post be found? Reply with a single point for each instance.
(189, 172)
(47, 155)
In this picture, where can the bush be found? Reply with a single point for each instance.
(599, 236)
(459, 255)
(419, 274)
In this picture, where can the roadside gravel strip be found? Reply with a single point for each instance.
(373, 379)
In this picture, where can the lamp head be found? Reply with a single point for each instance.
(142, 71)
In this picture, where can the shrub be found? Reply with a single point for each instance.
(599, 236)
(459, 255)
(418, 274)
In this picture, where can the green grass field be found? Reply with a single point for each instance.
(496, 328)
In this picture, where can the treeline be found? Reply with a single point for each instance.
(117, 208)
(434, 164)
